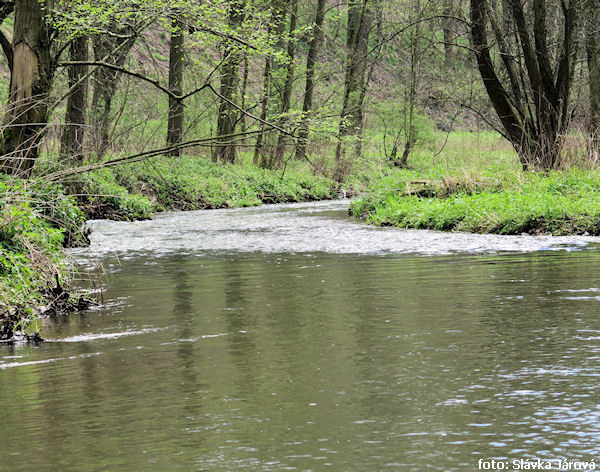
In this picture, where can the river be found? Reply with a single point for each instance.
(290, 337)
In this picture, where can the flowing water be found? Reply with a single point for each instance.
(292, 338)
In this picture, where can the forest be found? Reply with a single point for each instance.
(478, 116)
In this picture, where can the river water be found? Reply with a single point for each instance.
(292, 338)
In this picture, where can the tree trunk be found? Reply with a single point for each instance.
(176, 52)
(74, 129)
(276, 29)
(309, 89)
(243, 92)
(278, 155)
(449, 31)
(266, 93)
(360, 17)
(535, 132)
(30, 85)
(415, 62)
(592, 43)
(225, 150)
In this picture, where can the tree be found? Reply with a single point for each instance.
(75, 115)
(530, 93)
(592, 46)
(360, 17)
(275, 31)
(449, 31)
(286, 93)
(309, 88)
(413, 86)
(228, 112)
(30, 84)
(111, 48)
(176, 56)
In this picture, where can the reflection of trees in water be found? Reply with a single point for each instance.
(240, 322)
(184, 322)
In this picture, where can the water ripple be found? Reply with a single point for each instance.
(298, 228)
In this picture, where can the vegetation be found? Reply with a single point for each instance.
(120, 109)
(559, 204)
(35, 224)
(189, 183)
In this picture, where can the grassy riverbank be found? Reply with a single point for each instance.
(485, 192)
(139, 190)
(559, 204)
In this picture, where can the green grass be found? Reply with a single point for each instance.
(190, 183)
(560, 203)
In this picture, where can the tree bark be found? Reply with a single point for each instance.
(592, 44)
(243, 91)
(276, 29)
(176, 56)
(75, 117)
(30, 84)
(309, 88)
(449, 31)
(536, 134)
(415, 62)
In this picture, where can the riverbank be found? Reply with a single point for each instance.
(560, 203)
(139, 190)
(38, 220)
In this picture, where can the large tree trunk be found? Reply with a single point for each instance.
(74, 129)
(360, 17)
(175, 119)
(225, 150)
(30, 85)
(309, 88)
(536, 132)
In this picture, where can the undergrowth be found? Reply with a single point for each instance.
(35, 224)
